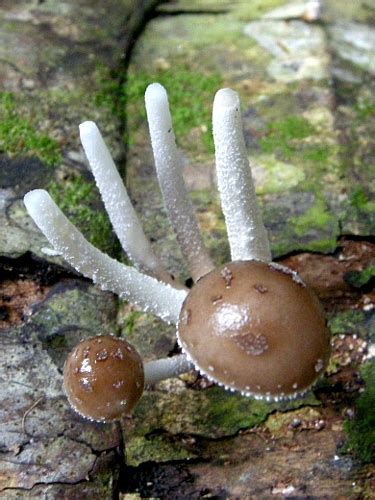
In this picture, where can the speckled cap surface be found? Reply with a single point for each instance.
(256, 328)
(103, 378)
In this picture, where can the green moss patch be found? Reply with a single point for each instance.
(130, 322)
(361, 430)
(319, 222)
(357, 125)
(365, 108)
(110, 94)
(281, 135)
(295, 139)
(316, 217)
(213, 413)
(358, 198)
(360, 279)
(19, 135)
(359, 216)
(57, 341)
(317, 154)
(190, 97)
(256, 8)
(157, 448)
(352, 322)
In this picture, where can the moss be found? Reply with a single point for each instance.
(231, 412)
(360, 279)
(227, 413)
(321, 245)
(165, 417)
(313, 229)
(359, 222)
(319, 154)
(359, 216)
(18, 135)
(290, 232)
(359, 199)
(361, 430)
(78, 199)
(351, 321)
(364, 108)
(110, 95)
(242, 10)
(256, 8)
(190, 95)
(57, 341)
(281, 135)
(279, 423)
(131, 322)
(316, 217)
(106, 480)
(297, 139)
(155, 447)
(202, 198)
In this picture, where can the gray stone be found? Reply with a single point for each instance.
(355, 42)
(298, 49)
(39, 434)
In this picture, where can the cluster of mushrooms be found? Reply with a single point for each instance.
(251, 325)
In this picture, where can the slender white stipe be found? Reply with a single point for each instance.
(246, 232)
(161, 369)
(143, 291)
(169, 169)
(118, 205)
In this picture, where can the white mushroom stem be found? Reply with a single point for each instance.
(169, 169)
(161, 369)
(143, 291)
(118, 205)
(246, 232)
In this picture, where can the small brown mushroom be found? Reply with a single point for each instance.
(256, 328)
(103, 378)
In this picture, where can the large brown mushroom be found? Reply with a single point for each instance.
(103, 378)
(257, 328)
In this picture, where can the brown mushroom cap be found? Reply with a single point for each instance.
(103, 378)
(256, 328)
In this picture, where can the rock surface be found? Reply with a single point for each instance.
(53, 58)
(307, 95)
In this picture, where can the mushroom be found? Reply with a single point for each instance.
(103, 378)
(251, 325)
(255, 328)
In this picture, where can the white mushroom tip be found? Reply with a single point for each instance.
(88, 127)
(226, 98)
(93, 145)
(33, 200)
(156, 92)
